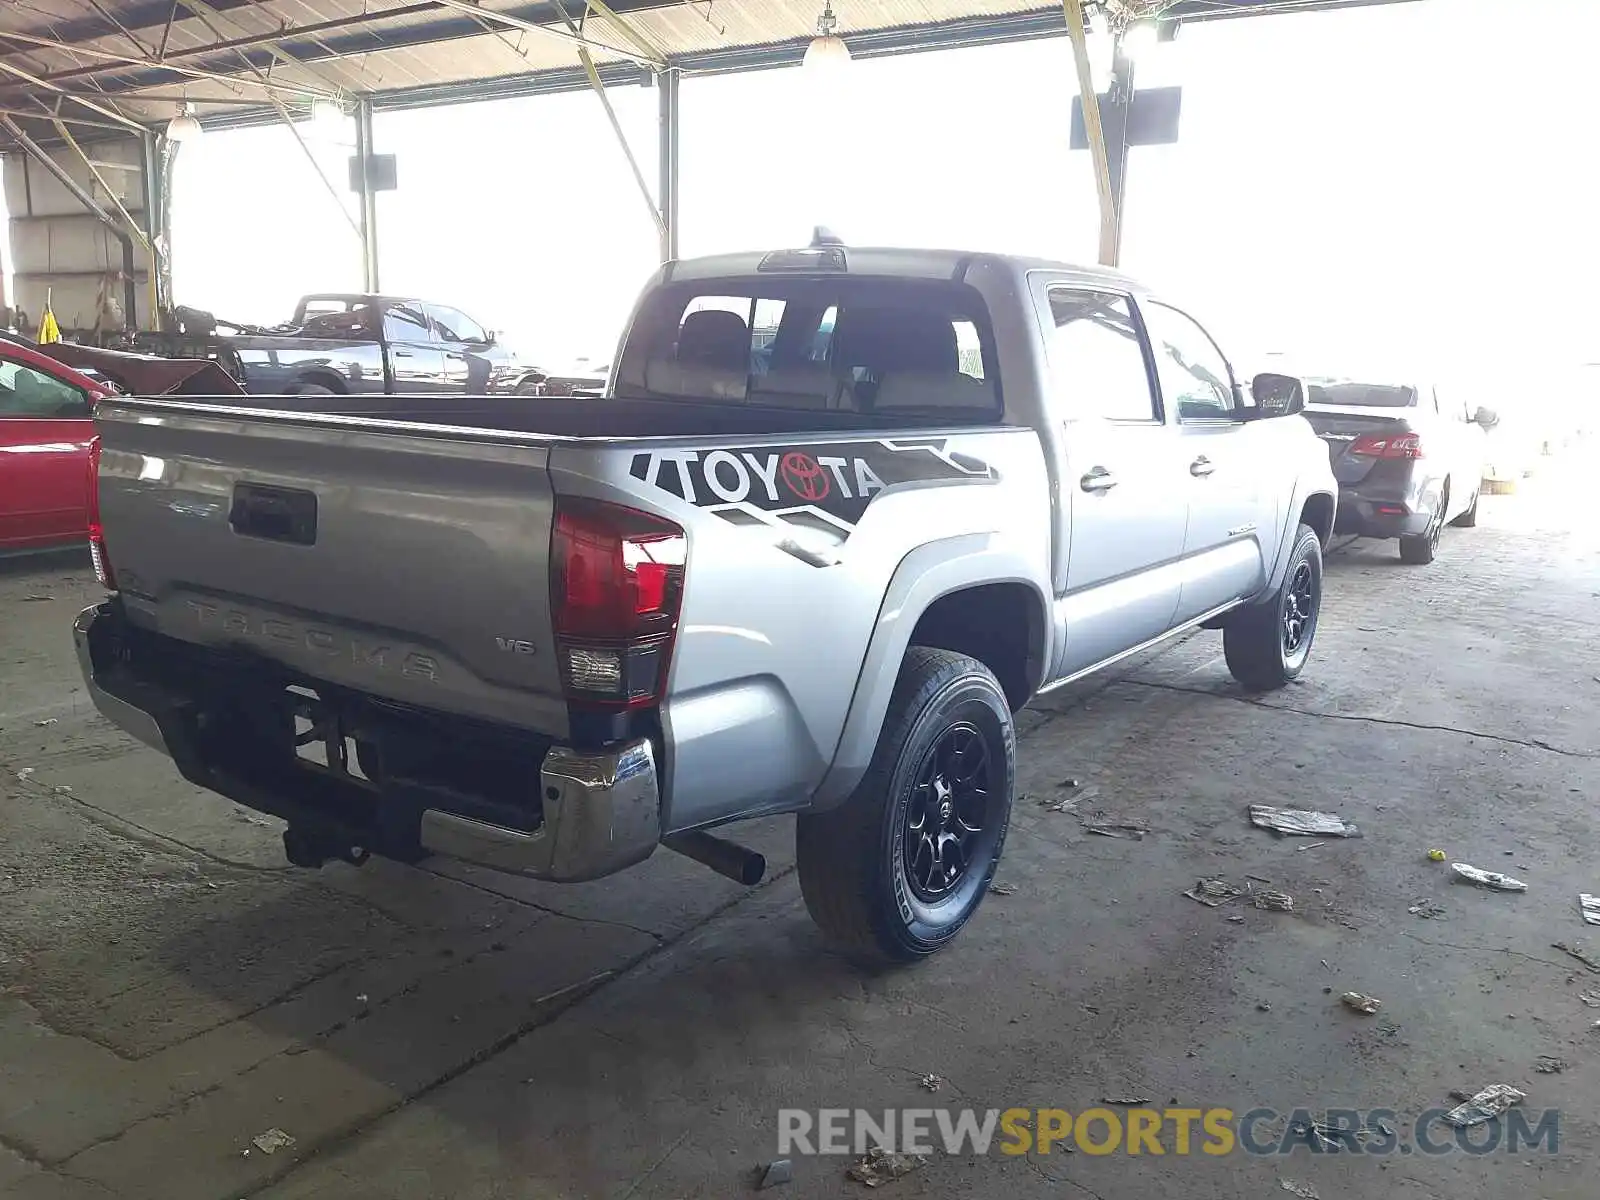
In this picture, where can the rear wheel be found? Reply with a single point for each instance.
(896, 871)
(1419, 549)
(314, 389)
(1267, 644)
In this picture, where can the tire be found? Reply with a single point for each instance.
(313, 389)
(1469, 519)
(1264, 651)
(1419, 550)
(865, 871)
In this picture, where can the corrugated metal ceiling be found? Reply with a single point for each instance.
(138, 58)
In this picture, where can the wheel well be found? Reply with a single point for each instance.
(999, 624)
(325, 379)
(1318, 513)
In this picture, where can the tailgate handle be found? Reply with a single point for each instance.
(274, 513)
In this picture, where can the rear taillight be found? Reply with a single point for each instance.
(616, 585)
(97, 534)
(1394, 445)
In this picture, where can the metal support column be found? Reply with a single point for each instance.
(1114, 124)
(667, 194)
(155, 228)
(368, 197)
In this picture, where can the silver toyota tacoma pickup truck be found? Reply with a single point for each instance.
(841, 514)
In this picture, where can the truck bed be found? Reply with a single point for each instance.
(574, 417)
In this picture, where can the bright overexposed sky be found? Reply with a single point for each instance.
(1410, 181)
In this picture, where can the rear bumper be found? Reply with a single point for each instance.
(1369, 513)
(598, 812)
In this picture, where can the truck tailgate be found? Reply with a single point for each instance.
(409, 564)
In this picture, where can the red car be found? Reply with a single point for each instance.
(46, 423)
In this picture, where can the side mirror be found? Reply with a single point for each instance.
(1277, 395)
(1487, 417)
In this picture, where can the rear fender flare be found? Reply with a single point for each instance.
(929, 572)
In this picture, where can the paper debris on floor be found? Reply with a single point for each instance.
(930, 1082)
(1589, 906)
(1003, 889)
(1361, 1003)
(1301, 822)
(1212, 892)
(1485, 1106)
(1489, 879)
(1117, 829)
(1304, 1190)
(878, 1167)
(1549, 1064)
(1426, 909)
(272, 1141)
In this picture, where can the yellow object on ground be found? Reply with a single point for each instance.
(1435, 855)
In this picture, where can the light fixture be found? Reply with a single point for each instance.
(184, 127)
(327, 115)
(1139, 39)
(827, 51)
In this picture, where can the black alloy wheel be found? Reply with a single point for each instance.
(945, 816)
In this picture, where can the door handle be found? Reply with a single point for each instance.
(1201, 467)
(403, 354)
(1098, 479)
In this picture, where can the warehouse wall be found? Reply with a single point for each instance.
(57, 246)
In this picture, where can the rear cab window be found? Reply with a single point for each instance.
(1349, 394)
(843, 344)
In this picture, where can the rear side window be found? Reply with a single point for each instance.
(405, 323)
(846, 344)
(1097, 357)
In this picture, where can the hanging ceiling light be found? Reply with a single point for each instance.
(184, 127)
(827, 51)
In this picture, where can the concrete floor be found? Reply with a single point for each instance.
(169, 989)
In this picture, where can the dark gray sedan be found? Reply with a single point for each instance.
(1409, 459)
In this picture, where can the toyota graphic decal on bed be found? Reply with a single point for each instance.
(822, 485)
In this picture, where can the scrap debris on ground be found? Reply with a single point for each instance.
(878, 1166)
(1577, 951)
(1488, 879)
(1488, 1104)
(272, 1141)
(931, 1082)
(1213, 892)
(1549, 1064)
(1301, 822)
(1589, 906)
(1361, 1003)
(1304, 1190)
(778, 1171)
(1272, 900)
(1426, 909)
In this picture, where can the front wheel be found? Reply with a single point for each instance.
(1267, 644)
(894, 873)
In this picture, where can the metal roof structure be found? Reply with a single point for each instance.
(117, 63)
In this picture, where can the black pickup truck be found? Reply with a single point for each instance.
(359, 343)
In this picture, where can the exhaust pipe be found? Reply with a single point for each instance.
(725, 858)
